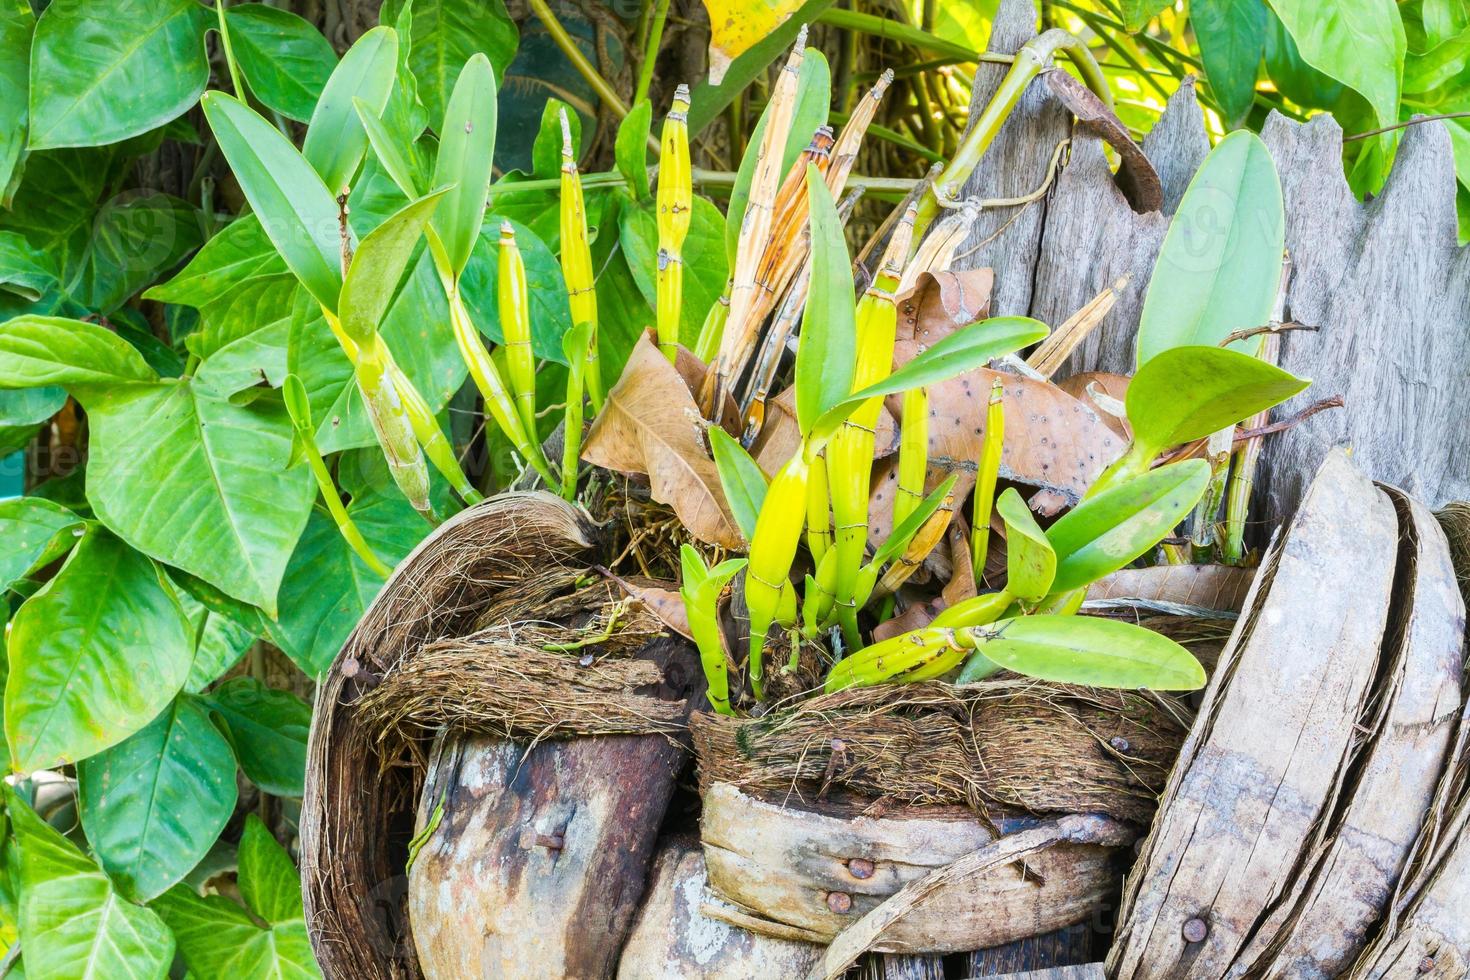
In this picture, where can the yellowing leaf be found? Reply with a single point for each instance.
(736, 27)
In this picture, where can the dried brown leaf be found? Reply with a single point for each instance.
(781, 436)
(1085, 385)
(664, 603)
(1220, 587)
(650, 425)
(1137, 178)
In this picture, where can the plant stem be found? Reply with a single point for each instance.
(224, 36)
(650, 50)
(702, 177)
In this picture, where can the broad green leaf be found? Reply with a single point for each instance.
(296, 210)
(405, 115)
(44, 350)
(393, 156)
(709, 99)
(24, 271)
(268, 730)
(964, 350)
(17, 24)
(35, 532)
(813, 99)
(1106, 532)
(94, 656)
(898, 541)
(74, 924)
(335, 140)
(1361, 43)
(466, 158)
(827, 342)
(741, 477)
(220, 640)
(101, 77)
(551, 317)
(220, 941)
(378, 266)
(134, 237)
(285, 60)
(1232, 38)
(631, 150)
(222, 503)
(1220, 266)
(268, 880)
(705, 266)
(546, 150)
(55, 206)
(1137, 13)
(446, 34)
(1439, 66)
(327, 587)
(1190, 392)
(1031, 564)
(1292, 76)
(30, 406)
(1093, 652)
(153, 805)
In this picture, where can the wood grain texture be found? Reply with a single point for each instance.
(674, 938)
(1067, 947)
(1248, 797)
(539, 861)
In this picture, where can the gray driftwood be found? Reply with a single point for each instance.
(1384, 281)
(815, 872)
(1267, 760)
(674, 937)
(1067, 947)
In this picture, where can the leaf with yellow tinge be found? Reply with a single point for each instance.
(736, 27)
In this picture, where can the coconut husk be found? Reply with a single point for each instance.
(358, 809)
(1276, 744)
(1007, 743)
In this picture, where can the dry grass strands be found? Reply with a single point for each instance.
(349, 852)
(1009, 744)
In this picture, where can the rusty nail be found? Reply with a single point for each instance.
(839, 902)
(1120, 743)
(860, 868)
(1195, 930)
(1426, 964)
(585, 660)
(552, 842)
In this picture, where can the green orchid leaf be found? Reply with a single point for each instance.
(448, 33)
(80, 682)
(36, 532)
(267, 729)
(392, 153)
(269, 882)
(631, 152)
(74, 922)
(827, 343)
(1106, 532)
(296, 210)
(379, 264)
(1232, 38)
(1220, 266)
(466, 158)
(154, 804)
(741, 477)
(335, 140)
(285, 60)
(898, 541)
(100, 79)
(964, 350)
(1189, 393)
(1031, 564)
(1361, 43)
(813, 99)
(1092, 652)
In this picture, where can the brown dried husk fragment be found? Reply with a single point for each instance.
(1007, 743)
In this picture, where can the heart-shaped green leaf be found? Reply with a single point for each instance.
(268, 730)
(466, 156)
(1106, 532)
(1220, 266)
(631, 149)
(35, 531)
(74, 921)
(827, 346)
(335, 140)
(80, 679)
(741, 477)
(1189, 393)
(296, 210)
(269, 882)
(964, 350)
(1091, 651)
(446, 34)
(285, 60)
(378, 266)
(1031, 564)
(51, 350)
(154, 804)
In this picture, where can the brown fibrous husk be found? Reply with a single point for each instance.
(1005, 743)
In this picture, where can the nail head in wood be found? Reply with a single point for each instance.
(860, 868)
(839, 902)
(1195, 930)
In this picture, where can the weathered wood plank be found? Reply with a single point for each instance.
(1071, 946)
